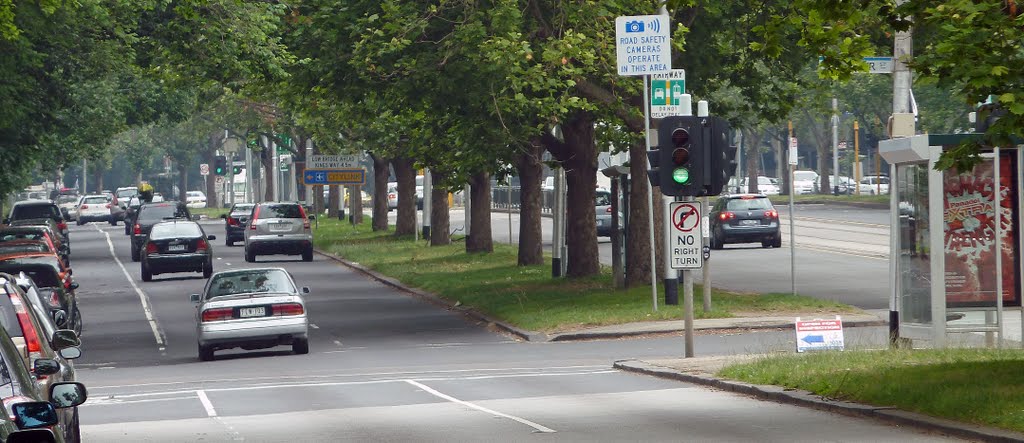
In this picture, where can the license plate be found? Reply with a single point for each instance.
(280, 227)
(748, 222)
(175, 248)
(252, 312)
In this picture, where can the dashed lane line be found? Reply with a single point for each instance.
(157, 332)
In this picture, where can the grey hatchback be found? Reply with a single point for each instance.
(279, 228)
(744, 218)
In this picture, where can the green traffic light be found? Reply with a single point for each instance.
(681, 175)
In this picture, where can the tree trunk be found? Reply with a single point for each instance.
(531, 171)
(211, 180)
(267, 160)
(480, 239)
(752, 145)
(355, 203)
(406, 177)
(638, 232)
(781, 162)
(182, 183)
(380, 192)
(333, 201)
(581, 176)
(97, 180)
(440, 219)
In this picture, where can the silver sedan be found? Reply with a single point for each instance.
(251, 309)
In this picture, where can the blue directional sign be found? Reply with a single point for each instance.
(818, 335)
(334, 177)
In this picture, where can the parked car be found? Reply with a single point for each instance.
(93, 208)
(150, 214)
(874, 185)
(29, 416)
(603, 213)
(119, 204)
(252, 309)
(177, 246)
(235, 222)
(279, 228)
(43, 232)
(805, 182)
(744, 218)
(765, 185)
(195, 199)
(37, 209)
(392, 196)
(56, 288)
(47, 352)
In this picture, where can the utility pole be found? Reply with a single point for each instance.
(901, 83)
(835, 146)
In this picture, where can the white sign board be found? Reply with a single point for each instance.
(667, 91)
(879, 65)
(793, 151)
(643, 44)
(333, 162)
(816, 335)
(204, 169)
(686, 244)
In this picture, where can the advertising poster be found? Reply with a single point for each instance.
(970, 235)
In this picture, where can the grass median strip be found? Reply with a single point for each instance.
(979, 386)
(527, 296)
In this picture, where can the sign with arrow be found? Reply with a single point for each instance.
(817, 335)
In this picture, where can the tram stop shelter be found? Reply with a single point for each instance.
(956, 239)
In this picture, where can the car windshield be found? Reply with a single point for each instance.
(764, 181)
(602, 199)
(175, 230)
(127, 193)
(280, 211)
(35, 211)
(242, 208)
(249, 281)
(66, 199)
(159, 212)
(748, 204)
(99, 200)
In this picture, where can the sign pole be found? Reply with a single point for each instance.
(688, 302)
(793, 157)
(650, 201)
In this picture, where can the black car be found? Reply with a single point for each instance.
(36, 209)
(744, 218)
(235, 222)
(177, 246)
(150, 214)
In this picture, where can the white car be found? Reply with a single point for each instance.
(392, 195)
(69, 203)
(805, 182)
(195, 199)
(874, 185)
(765, 185)
(93, 208)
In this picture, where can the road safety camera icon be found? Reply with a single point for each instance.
(635, 26)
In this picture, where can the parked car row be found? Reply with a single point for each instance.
(41, 326)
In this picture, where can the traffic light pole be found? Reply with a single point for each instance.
(671, 279)
(687, 276)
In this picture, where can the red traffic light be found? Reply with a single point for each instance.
(680, 156)
(680, 137)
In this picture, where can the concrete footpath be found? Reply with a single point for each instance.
(703, 370)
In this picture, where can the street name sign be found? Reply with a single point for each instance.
(334, 177)
(818, 335)
(879, 65)
(686, 244)
(643, 44)
(319, 161)
(666, 93)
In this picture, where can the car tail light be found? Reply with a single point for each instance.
(771, 213)
(138, 229)
(108, 205)
(283, 309)
(32, 342)
(232, 221)
(255, 215)
(85, 206)
(151, 248)
(609, 210)
(201, 245)
(62, 226)
(218, 314)
(305, 220)
(726, 216)
(392, 196)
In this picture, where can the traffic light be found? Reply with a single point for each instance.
(220, 165)
(237, 169)
(682, 156)
(723, 156)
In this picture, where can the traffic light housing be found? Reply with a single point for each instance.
(220, 165)
(237, 169)
(723, 156)
(682, 156)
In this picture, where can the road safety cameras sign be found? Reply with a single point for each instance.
(643, 44)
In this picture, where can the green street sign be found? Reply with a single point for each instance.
(286, 141)
(667, 92)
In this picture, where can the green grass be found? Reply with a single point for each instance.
(209, 212)
(980, 386)
(528, 296)
(825, 198)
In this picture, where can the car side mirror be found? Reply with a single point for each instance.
(194, 298)
(64, 338)
(211, 237)
(70, 353)
(305, 289)
(34, 414)
(311, 217)
(74, 285)
(67, 394)
(45, 366)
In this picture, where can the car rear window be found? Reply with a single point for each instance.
(13, 248)
(261, 280)
(35, 211)
(95, 200)
(127, 193)
(280, 211)
(749, 204)
(173, 230)
(159, 212)
(32, 235)
(66, 199)
(242, 208)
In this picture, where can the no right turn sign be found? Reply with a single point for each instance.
(686, 244)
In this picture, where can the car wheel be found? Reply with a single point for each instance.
(716, 240)
(113, 222)
(205, 353)
(777, 242)
(300, 346)
(307, 255)
(228, 241)
(146, 274)
(136, 254)
(766, 244)
(207, 270)
(250, 257)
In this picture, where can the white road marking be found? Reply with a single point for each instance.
(210, 412)
(336, 342)
(157, 333)
(314, 326)
(428, 389)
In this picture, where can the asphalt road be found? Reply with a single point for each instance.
(386, 366)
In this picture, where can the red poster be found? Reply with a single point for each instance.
(970, 233)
